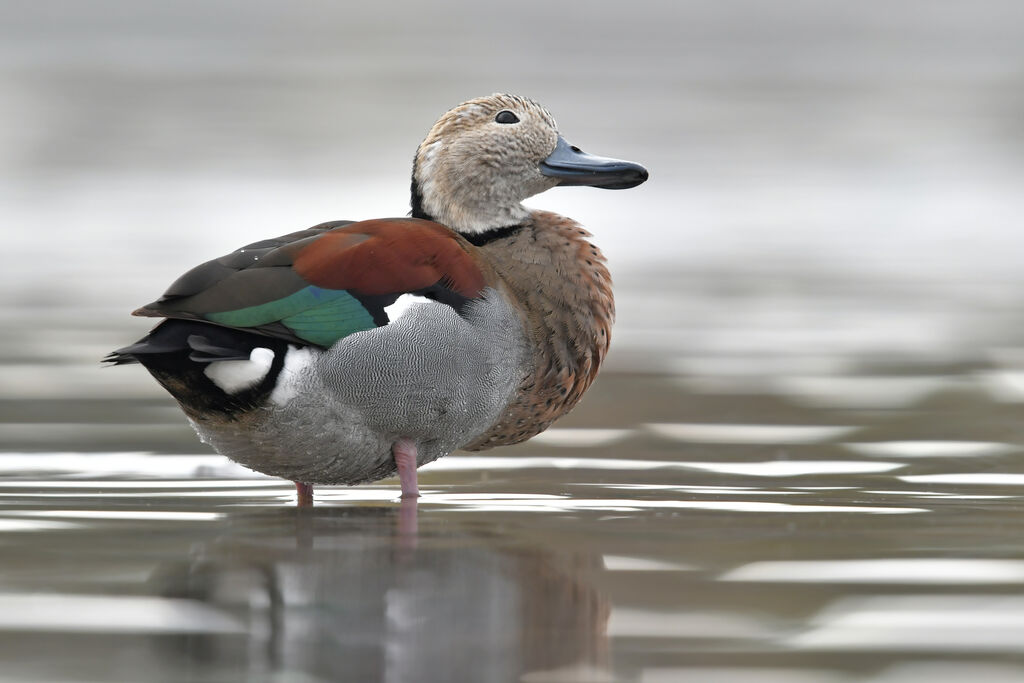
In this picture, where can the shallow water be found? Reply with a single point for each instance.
(803, 461)
(714, 526)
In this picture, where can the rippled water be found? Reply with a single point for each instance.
(803, 461)
(682, 534)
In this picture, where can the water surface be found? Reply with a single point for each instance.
(680, 535)
(803, 461)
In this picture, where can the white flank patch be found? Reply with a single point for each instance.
(296, 360)
(233, 376)
(403, 304)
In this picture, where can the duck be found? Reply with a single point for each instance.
(354, 350)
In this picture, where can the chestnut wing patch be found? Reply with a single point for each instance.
(319, 285)
(390, 255)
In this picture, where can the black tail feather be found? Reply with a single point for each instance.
(202, 342)
(204, 351)
(177, 352)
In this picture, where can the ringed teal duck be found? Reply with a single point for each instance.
(342, 353)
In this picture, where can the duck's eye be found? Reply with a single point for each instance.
(505, 116)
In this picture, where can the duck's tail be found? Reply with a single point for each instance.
(182, 355)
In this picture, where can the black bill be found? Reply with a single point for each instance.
(574, 167)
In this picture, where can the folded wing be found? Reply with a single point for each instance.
(319, 285)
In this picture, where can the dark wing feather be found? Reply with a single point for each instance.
(207, 274)
(319, 285)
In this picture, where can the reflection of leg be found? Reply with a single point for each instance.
(407, 524)
(404, 451)
(304, 497)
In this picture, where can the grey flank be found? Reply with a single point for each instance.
(432, 376)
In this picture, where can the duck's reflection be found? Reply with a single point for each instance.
(354, 594)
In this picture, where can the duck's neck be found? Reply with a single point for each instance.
(478, 239)
(470, 207)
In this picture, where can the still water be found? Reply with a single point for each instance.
(737, 509)
(804, 461)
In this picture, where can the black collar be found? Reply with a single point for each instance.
(479, 239)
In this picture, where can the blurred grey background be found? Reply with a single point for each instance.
(821, 328)
(829, 177)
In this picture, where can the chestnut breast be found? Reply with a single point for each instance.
(563, 289)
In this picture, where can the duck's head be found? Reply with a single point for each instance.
(485, 156)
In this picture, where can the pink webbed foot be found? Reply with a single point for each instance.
(404, 451)
(304, 495)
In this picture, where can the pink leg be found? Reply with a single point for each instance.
(404, 451)
(304, 497)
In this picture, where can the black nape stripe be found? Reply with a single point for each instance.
(417, 198)
(481, 238)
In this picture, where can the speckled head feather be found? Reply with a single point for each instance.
(475, 167)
